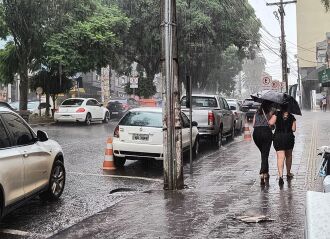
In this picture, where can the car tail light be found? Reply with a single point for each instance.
(116, 132)
(211, 118)
(80, 110)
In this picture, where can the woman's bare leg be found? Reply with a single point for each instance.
(288, 161)
(280, 162)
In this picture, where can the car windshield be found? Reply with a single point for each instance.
(117, 101)
(145, 119)
(201, 101)
(72, 102)
(231, 103)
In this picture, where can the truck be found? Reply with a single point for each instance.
(213, 115)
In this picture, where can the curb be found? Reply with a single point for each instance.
(41, 124)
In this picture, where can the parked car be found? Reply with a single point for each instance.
(32, 107)
(215, 119)
(30, 163)
(250, 107)
(84, 110)
(139, 135)
(118, 107)
(236, 107)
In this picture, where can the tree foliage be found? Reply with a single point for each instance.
(326, 4)
(205, 30)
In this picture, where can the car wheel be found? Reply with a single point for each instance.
(56, 183)
(119, 162)
(218, 139)
(106, 118)
(195, 149)
(232, 135)
(88, 120)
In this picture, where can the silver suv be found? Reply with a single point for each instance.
(30, 163)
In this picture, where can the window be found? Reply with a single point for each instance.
(143, 119)
(226, 104)
(4, 139)
(73, 102)
(185, 121)
(201, 102)
(21, 133)
(95, 102)
(222, 106)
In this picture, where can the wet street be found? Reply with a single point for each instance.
(223, 186)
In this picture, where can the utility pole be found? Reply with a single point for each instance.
(299, 84)
(172, 125)
(284, 54)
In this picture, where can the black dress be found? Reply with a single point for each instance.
(283, 136)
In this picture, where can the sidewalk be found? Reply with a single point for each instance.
(224, 185)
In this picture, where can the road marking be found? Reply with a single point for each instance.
(22, 233)
(116, 176)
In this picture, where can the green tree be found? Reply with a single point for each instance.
(90, 44)
(205, 30)
(326, 4)
(70, 35)
(9, 62)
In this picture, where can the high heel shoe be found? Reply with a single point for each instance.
(280, 181)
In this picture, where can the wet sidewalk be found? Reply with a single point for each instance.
(224, 185)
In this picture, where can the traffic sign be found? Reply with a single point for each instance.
(266, 80)
(275, 85)
(134, 82)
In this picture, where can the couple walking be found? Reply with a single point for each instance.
(264, 121)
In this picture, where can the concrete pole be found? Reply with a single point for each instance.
(283, 48)
(173, 163)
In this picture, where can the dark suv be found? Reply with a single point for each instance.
(118, 107)
(250, 108)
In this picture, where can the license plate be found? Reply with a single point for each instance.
(115, 113)
(252, 110)
(141, 137)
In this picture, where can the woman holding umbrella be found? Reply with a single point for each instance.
(262, 136)
(284, 140)
(285, 124)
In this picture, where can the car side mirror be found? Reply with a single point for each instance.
(232, 108)
(194, 124)
(42, 136)
(100, 104)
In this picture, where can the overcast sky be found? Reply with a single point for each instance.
(265, 14)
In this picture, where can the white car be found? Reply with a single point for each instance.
(81, 110)
(30, 163)
(139, 135)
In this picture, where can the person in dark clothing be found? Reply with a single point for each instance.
(262, 136)
(284, 140)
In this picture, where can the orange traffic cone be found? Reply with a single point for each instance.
(247, 133)
(108, 163)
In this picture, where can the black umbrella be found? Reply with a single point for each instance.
(278, 98)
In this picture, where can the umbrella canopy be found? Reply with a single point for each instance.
(278, 98)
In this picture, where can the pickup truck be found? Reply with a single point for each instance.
(213, 115)
(250, 108)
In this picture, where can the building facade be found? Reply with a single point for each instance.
(312, 26)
